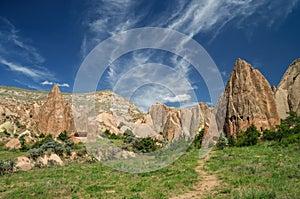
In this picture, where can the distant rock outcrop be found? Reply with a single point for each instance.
(55, 115)
(250, 100)
(287, 94)
(174, 123)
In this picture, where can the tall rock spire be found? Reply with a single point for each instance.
(250, 100)
(55, 115)
(287, 94)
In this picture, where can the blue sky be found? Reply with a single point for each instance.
(45, 42)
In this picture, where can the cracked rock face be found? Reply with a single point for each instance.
(55, 115)
(287, 94)
(174, 123)
(250, 100)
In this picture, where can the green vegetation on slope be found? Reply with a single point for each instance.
(98, 181)
(262, 171)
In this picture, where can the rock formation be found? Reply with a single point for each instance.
(55, 115)
(174, 123)
(287, 94)
(250, 100)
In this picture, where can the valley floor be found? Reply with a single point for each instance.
(262, 171)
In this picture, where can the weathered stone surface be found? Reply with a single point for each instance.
(44, 160)
(250, 100)
(287, 94)
(13, 143)
(23, 163)
(55, 115)
(175, 123)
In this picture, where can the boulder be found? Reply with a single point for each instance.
(23, 163)
(13, 143)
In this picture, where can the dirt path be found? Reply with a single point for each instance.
(206, 183)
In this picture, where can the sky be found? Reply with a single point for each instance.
(47, 42)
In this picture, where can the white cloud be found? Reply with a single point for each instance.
(47, 83)
(33, 73)
(178, 98)
(63, 85)
(52, 83)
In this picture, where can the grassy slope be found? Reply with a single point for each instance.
(98, 181)
(262, 171)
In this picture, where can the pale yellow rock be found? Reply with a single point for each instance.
(287, 94)
(13, 143)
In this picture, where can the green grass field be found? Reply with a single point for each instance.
(261, 171)
(98, 181)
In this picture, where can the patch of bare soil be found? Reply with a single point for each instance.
(206, 183)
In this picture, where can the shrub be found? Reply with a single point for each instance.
(24, 145)
(286, 131)
(128, 133)
(7, 166)
(53, 146)
(248, 137)
(223, 142)
(35, 153)
(46, 139)
(63, 136)
(198, 139)
(144, 145)
(52, 163)
(231, 141)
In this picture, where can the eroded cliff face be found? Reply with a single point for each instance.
(250, 100)
(174, 123)
(287, 94)
(55, 115)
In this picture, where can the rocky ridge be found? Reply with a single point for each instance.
(248, 99)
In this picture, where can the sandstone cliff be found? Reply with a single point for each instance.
(250, 100)
(287, 94)
(174, 123)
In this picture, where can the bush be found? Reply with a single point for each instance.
(223, 142)
(63, 136)
(7, 166)
(128, 133)
(112, 136)
(248, 138)
(198, 139)
(35, 153)
(231, 141)
(144, 145)
(52, 163)
(53, 146)
(46, 139)
(285, 132)
(24, 145)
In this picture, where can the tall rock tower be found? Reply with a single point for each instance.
(287, 94)
(55, 115)
(249, 100)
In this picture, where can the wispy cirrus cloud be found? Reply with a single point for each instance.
(33, 73)
(107, 18)
(20, 57)
(15, 47)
